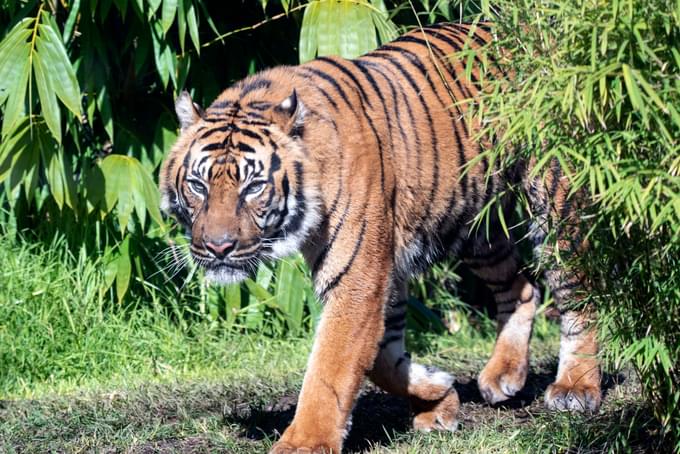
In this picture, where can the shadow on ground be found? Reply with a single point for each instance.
(393, 414)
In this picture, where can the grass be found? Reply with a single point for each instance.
(80, 374)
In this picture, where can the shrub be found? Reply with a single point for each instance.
(596, 87)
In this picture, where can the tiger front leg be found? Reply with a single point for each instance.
(344, 349)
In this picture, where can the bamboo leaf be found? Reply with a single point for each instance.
(153, 7)
(168, 14)
(14, 107)
(290, 293)
(53, 55)
(48, 99)
(633, 90)
(123, 269)
(192, 22)
(74, 10)
(14, 51)
(309, 32)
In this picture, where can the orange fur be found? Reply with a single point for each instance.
(359, 165)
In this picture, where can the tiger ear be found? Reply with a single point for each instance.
(290, 114)
(188, 112)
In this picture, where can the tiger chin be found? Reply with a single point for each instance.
(363, 166)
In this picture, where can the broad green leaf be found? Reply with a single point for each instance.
(290, 293)
(19, 139)
(163, 55)
(262, 295)
(328, 35)
(128, 188)
(232, 300)
(182, 23)
(168, 14)
(14, 107)
(63, 76)
(153, 7)
(48, 100)
(74, 10)
(633, 90)
(105, 110)
(192, 22)
(309, 32)
(123, 269)
(117, 171)
(164, 137)
(14, 51)
(121, 5)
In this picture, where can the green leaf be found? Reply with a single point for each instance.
(308, 32)
(63, 76)
(153, 7)
(57, 171)
(48, 100)
(123, 269)
(164, 137)
(14, 51)
(163, 55)
(633, 90)
(232, 300)
(105, 110)
(328, 35)
(289, 293)
(182, 23)
(74, 10)
(14, 108)
(192, 21)
(168, 14)
(128, 187)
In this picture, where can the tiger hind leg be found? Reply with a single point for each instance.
(430, 391)
(577, 385)
(495, 261)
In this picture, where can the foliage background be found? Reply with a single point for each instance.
(86, 95)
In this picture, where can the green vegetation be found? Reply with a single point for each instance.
(80, 374)
(596, 88)
(109, 338)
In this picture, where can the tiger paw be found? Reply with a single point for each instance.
(437, 415)
(501, 379)
(287, 448)
(294, 441)
(579, 397)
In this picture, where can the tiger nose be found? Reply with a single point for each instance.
(220, 249)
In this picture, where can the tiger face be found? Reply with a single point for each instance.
(235, 180)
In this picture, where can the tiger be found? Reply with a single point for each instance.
(369, 169)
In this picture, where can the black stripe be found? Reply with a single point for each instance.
(490, 260)
(349, 74)
(434, 142)
(395, 318)
(245, 148)
(389, 339)
(252, 134)
(364, 66)
(338, 277)
(412, 121)
(368, 119)
(445, 61)
(396, 327)
(329, 244)
(333, 82)
(257, 84)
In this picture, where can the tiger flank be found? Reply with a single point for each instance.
(359, 164)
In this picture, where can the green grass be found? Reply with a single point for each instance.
(80, 374)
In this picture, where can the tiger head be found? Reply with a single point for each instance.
(238, 181)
